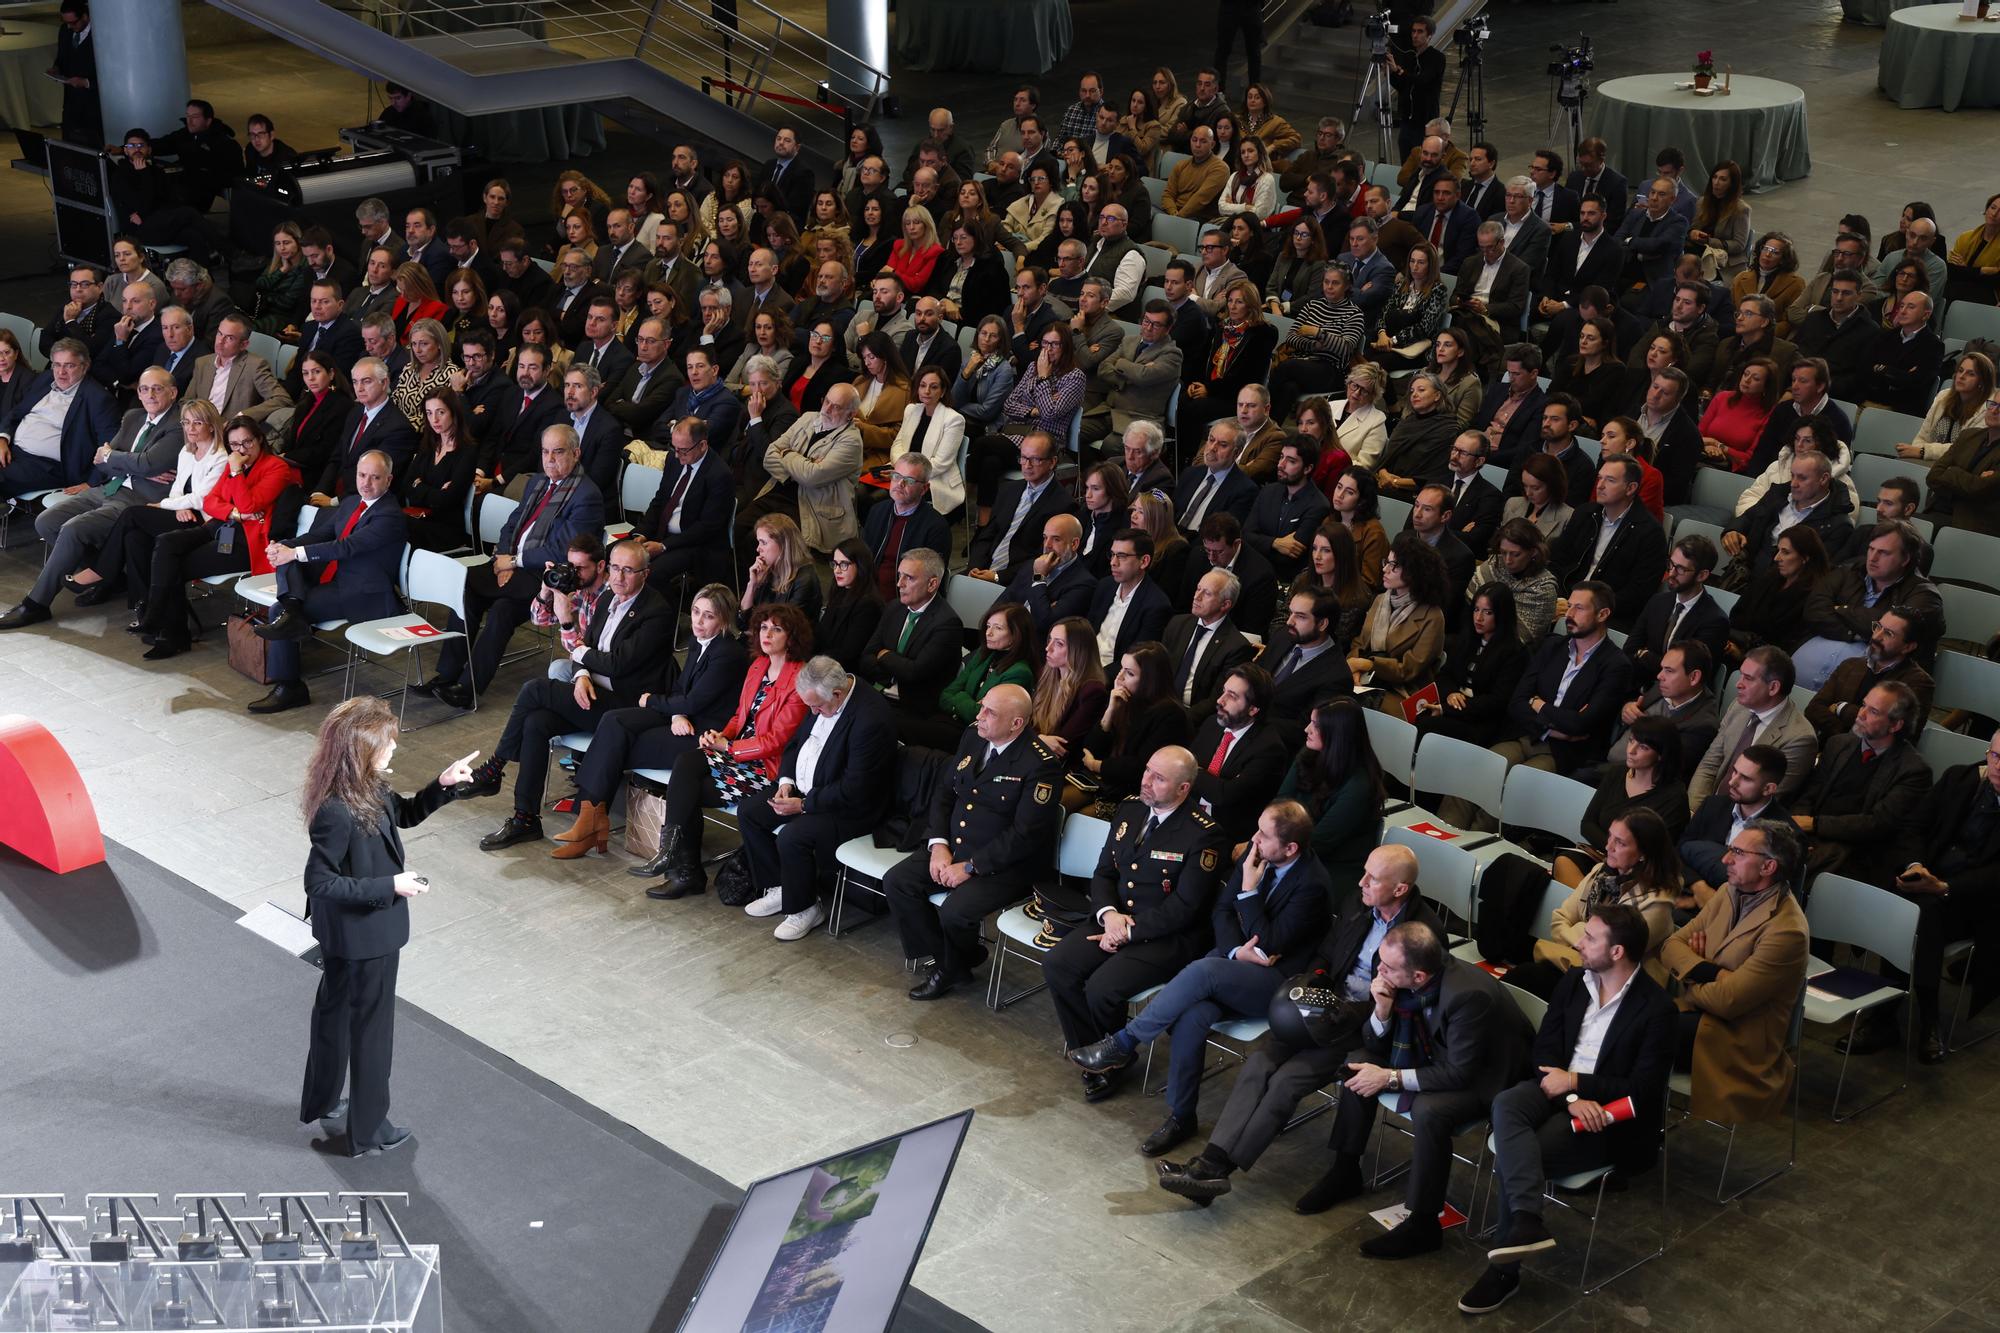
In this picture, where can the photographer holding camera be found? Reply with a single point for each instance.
(1416, 72)
(568, 599)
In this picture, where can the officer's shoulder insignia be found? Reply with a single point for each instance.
(1042, 751)
(1044, 792)
(965, 763)
(1120, 834)
(1202, 818)
(1209, 858)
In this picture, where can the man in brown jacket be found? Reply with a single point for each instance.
(1739, 966)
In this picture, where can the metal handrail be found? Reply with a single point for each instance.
(688, 46)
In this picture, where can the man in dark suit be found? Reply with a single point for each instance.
(75, 67)
(1192, 326)
(512, 456)
(626, 653)
(1222, 546)
(990, 837)
(1150, 898)
(788, 174)
(425, 248)
(1748, 792)
(765, 294)
(1502, 298)
(572, 297)
(327, 330)
(649, 382)
(135, 342)
(598, 433)
(1145, 470)
(686, 527)
(602, 349)
(1552, 202)
(620, 250)
(345, 568)
(1288, 511)
(1680, 694)
(1680, 611)
(1594, 176)
(1565, 716)
(461, 242)
(928, 344)
(837, 775)
(1055, 584)
(87, 316)
(1275, 902)
(558, 503)
(1012, 535)
(1608, 1035)
(180, 350)
(1242, 757)
(1450, 227)
(1276, 1076)
(1205, 644)
(1586, 256)
(1475, 503)
(1527, 234)
(1510, 415)
(1893, 644)
(917, 645)
(1214, 484)
(1127, 607)
(1614, 541)
(1307, 667)
(909, 522)
(372, 423)
(1442, 1039)
(1903, 359)
(1811, 501)
(1484, 192)
(1431, 518)
(521, 275)
(1562, 415)
(1862, 811)
(51, 438)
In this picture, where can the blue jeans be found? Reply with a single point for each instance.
(1202, 994)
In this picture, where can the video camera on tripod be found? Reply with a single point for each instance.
(1378, 30)
(1472, 34)
(1571, 66)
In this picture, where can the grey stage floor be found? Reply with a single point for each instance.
(156, 1045)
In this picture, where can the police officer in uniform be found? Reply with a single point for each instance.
(1151, 898)
(992, 830)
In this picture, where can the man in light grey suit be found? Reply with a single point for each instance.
(1138, 379)
(76, 523)
(1763, 714)
(237, 381)
(1528, 237)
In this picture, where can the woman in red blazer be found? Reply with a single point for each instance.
(741, 759)
(239, 510)
(416, 298)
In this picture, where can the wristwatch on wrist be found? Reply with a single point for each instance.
(1569, 1098)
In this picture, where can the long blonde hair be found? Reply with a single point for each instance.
(343, 761)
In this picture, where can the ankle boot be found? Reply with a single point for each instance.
(596, 841)
(657, 867)
(589, 815)
(683, 858)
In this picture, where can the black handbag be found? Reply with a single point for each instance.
(732, 880)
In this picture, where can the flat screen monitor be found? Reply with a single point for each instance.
(829, 1247)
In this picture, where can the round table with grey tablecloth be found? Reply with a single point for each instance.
(1932, 57)
(1017, 37)
(28, 96)
(1874, 12)
(1760, 124)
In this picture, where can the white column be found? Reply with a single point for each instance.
(142, 74)
(862, 28)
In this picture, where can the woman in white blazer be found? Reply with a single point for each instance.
(933, 428)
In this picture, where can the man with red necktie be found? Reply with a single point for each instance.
(1243, 758)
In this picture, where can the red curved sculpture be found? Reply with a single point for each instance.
(45, 814)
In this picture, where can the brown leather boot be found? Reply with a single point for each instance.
(589, 818)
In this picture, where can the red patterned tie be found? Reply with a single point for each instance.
(1221, 753)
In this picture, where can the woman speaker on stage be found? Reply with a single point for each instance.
(356, 885)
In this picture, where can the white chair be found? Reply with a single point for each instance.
(1966, 682)
(1169, 159)
(1879, 431)
(638, 486)
(1447, 872)
(857, 856)
(1494, 473)
(1156, 189)
(1969, 320)
(1943, 749)
(1724, 598)
(1964, 556)
(1083, 839)
(1458, 768)
(971, 598)
(494, 511)
(1395, 514)
(1713, 499)
(1180, 233)
(1395, 745)
(1870, 471)
(431, 578)
(1846, 911)
(1971, 615)
(1535, 799)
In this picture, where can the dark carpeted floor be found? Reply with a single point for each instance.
(156, 1045)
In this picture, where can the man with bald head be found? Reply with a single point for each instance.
(136, 341)
(344, 568)
(1920, 242)
(990, 833)
(1194, 185)
(135, 468)
(1120, 261)
(1149, 908)
(1058, 582)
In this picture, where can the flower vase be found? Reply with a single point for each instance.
(1702, 80)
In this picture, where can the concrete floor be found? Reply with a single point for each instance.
(689, 1022)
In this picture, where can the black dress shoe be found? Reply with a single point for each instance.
(518, 828)
(1173, 1132)
(1412, 1236)
(93, 595)
(1341, 1183)
(458, 696)
(27, 613)
(1196, 1180)
(163, 649)
(1488, 1294)
(289, 623)
(393, 1137)
(668, 892)
(284, 695)
(429, 688)
(935, 986)
(1526, 1234)
(1102, 1087)
(486, 780)
(1101, 1057)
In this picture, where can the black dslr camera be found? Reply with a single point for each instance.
(561, 577)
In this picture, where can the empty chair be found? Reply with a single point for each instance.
(1880, 430)
(1964, 556)
(1713, 499)
(1846, 911)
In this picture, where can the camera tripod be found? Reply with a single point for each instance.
(1569, 95)
(1375, 79)
(1472, 86)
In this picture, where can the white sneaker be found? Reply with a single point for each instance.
(800, 924)
(770, 904)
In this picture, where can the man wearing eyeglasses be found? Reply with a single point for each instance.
(638, 397)
(1740, 964)
(909, 522)
(686, 527)
(50, 438)
(1216, 271)
(1863, 807)
(1138, 379)
(1013, 534)
(85, 317)
(627, 653)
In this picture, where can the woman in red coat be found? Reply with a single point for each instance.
(916, 254)
(238, 510)
(742, 759)
(416, 298)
